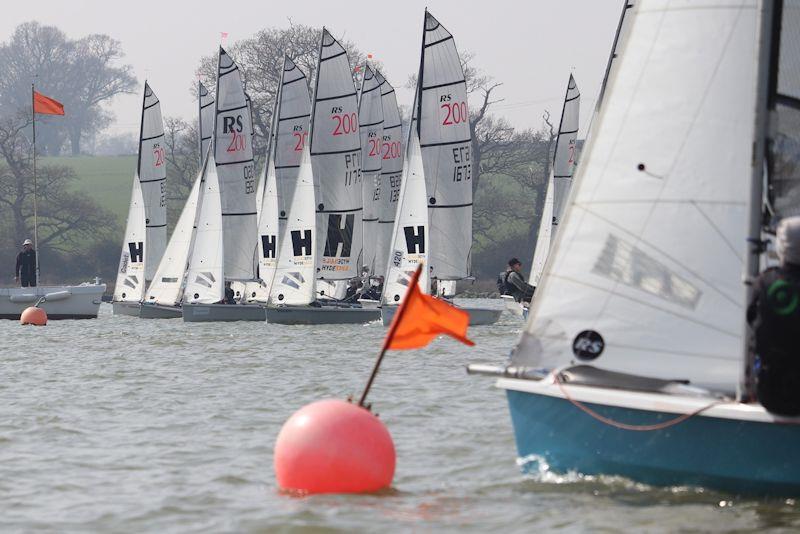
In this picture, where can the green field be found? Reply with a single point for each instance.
(107, 180)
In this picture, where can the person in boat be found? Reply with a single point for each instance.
(375, 289)
(774, 315)
(229, 294)
(515, 284)
(352, 294)
(25, 271)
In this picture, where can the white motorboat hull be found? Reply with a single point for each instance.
(61, 302)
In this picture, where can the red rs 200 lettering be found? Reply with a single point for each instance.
(391, 150)
(345, 124)
(301, 140)
(374, 147)
(237, 142)
(456, 113)
(158, 156)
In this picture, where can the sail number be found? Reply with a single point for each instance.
(455, 113)
(301, 138)
(158, 155)
(462, 171)
(352, 166)
(391, 150)
(249, 179)
(346, 123)
(374, 147)
(238, 142)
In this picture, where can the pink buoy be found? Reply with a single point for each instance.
(333, 446)
(33, 315)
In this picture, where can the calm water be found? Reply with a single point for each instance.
(127, 425)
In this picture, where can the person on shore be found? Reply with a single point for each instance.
(25, 271)
(774, 315)
(515, 284)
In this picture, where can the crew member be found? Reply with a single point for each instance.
(25, 271)
(515, 285)
(774, 315)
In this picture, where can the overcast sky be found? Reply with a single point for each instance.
(531, 46)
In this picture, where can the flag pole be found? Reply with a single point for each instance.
(35, 217)
(386, 342)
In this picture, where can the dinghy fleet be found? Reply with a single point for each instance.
(343, 196)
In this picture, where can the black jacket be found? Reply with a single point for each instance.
(26, 264)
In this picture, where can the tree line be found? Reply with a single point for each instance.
(79, 239)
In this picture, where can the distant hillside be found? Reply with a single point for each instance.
(106, 179)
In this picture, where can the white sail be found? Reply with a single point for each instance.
(152, 171)
(543, 238)
(130, 275)
(409, 241)
(336, 159)
(204, 279)
(391, 173)
(566, 149)
(167, 285)
(233, 152)
(268, 243)
(645, 272)
(370, 119)
(446, 143)
(294, 282)
(205, 118)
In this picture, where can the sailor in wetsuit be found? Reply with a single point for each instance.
(774, 315)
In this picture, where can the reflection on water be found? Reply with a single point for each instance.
(127, 425)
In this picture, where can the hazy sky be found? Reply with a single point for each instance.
(530, 46)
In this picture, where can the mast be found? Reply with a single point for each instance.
(769, 41)
(35, 218)
(200, 121)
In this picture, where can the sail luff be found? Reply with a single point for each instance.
(565, 150)
(391, 173)
(370, 118)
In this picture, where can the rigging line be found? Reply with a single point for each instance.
(663, 253)
(624, 426)
(602, 312)
(718, 231)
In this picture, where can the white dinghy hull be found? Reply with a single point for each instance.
(321, 315)
(159, 311)
(122, 307)
(61, 302)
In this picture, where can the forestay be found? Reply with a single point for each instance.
(233, 152)
(205, 130)
(152, 171)
(336, 160)
(391, 172)
(130, 275)
(566, 149)
(204, 280)
(166, 287)
(409, 247)
(294, 282)
(645, 272)
(370, 119)
(445, 139)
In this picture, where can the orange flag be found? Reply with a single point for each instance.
(46, 105)
(421, 318)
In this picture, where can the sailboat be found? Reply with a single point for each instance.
(142, 250)
(445, 139)
(236, 186)
(370, 122)
(558, 186)
(165, 293)
(634, 360)
(334, 152)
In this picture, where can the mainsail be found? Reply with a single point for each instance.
(408, 248)
(267, 238)
(233, 152)
(336, 160)
(205, 124)
(645, 272)
(543, 238)
(446, 142)
(130, 276)
(370, 118)
(566, 149)
(204, 279)
(152, 172)
(391, 172)
(294, 278)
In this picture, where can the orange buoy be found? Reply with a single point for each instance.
(333, 446)
(33, 315)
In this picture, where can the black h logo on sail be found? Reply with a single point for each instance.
(301, 245)
(136, 251)
(268, 245)
(415, 241)
(338, 235)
